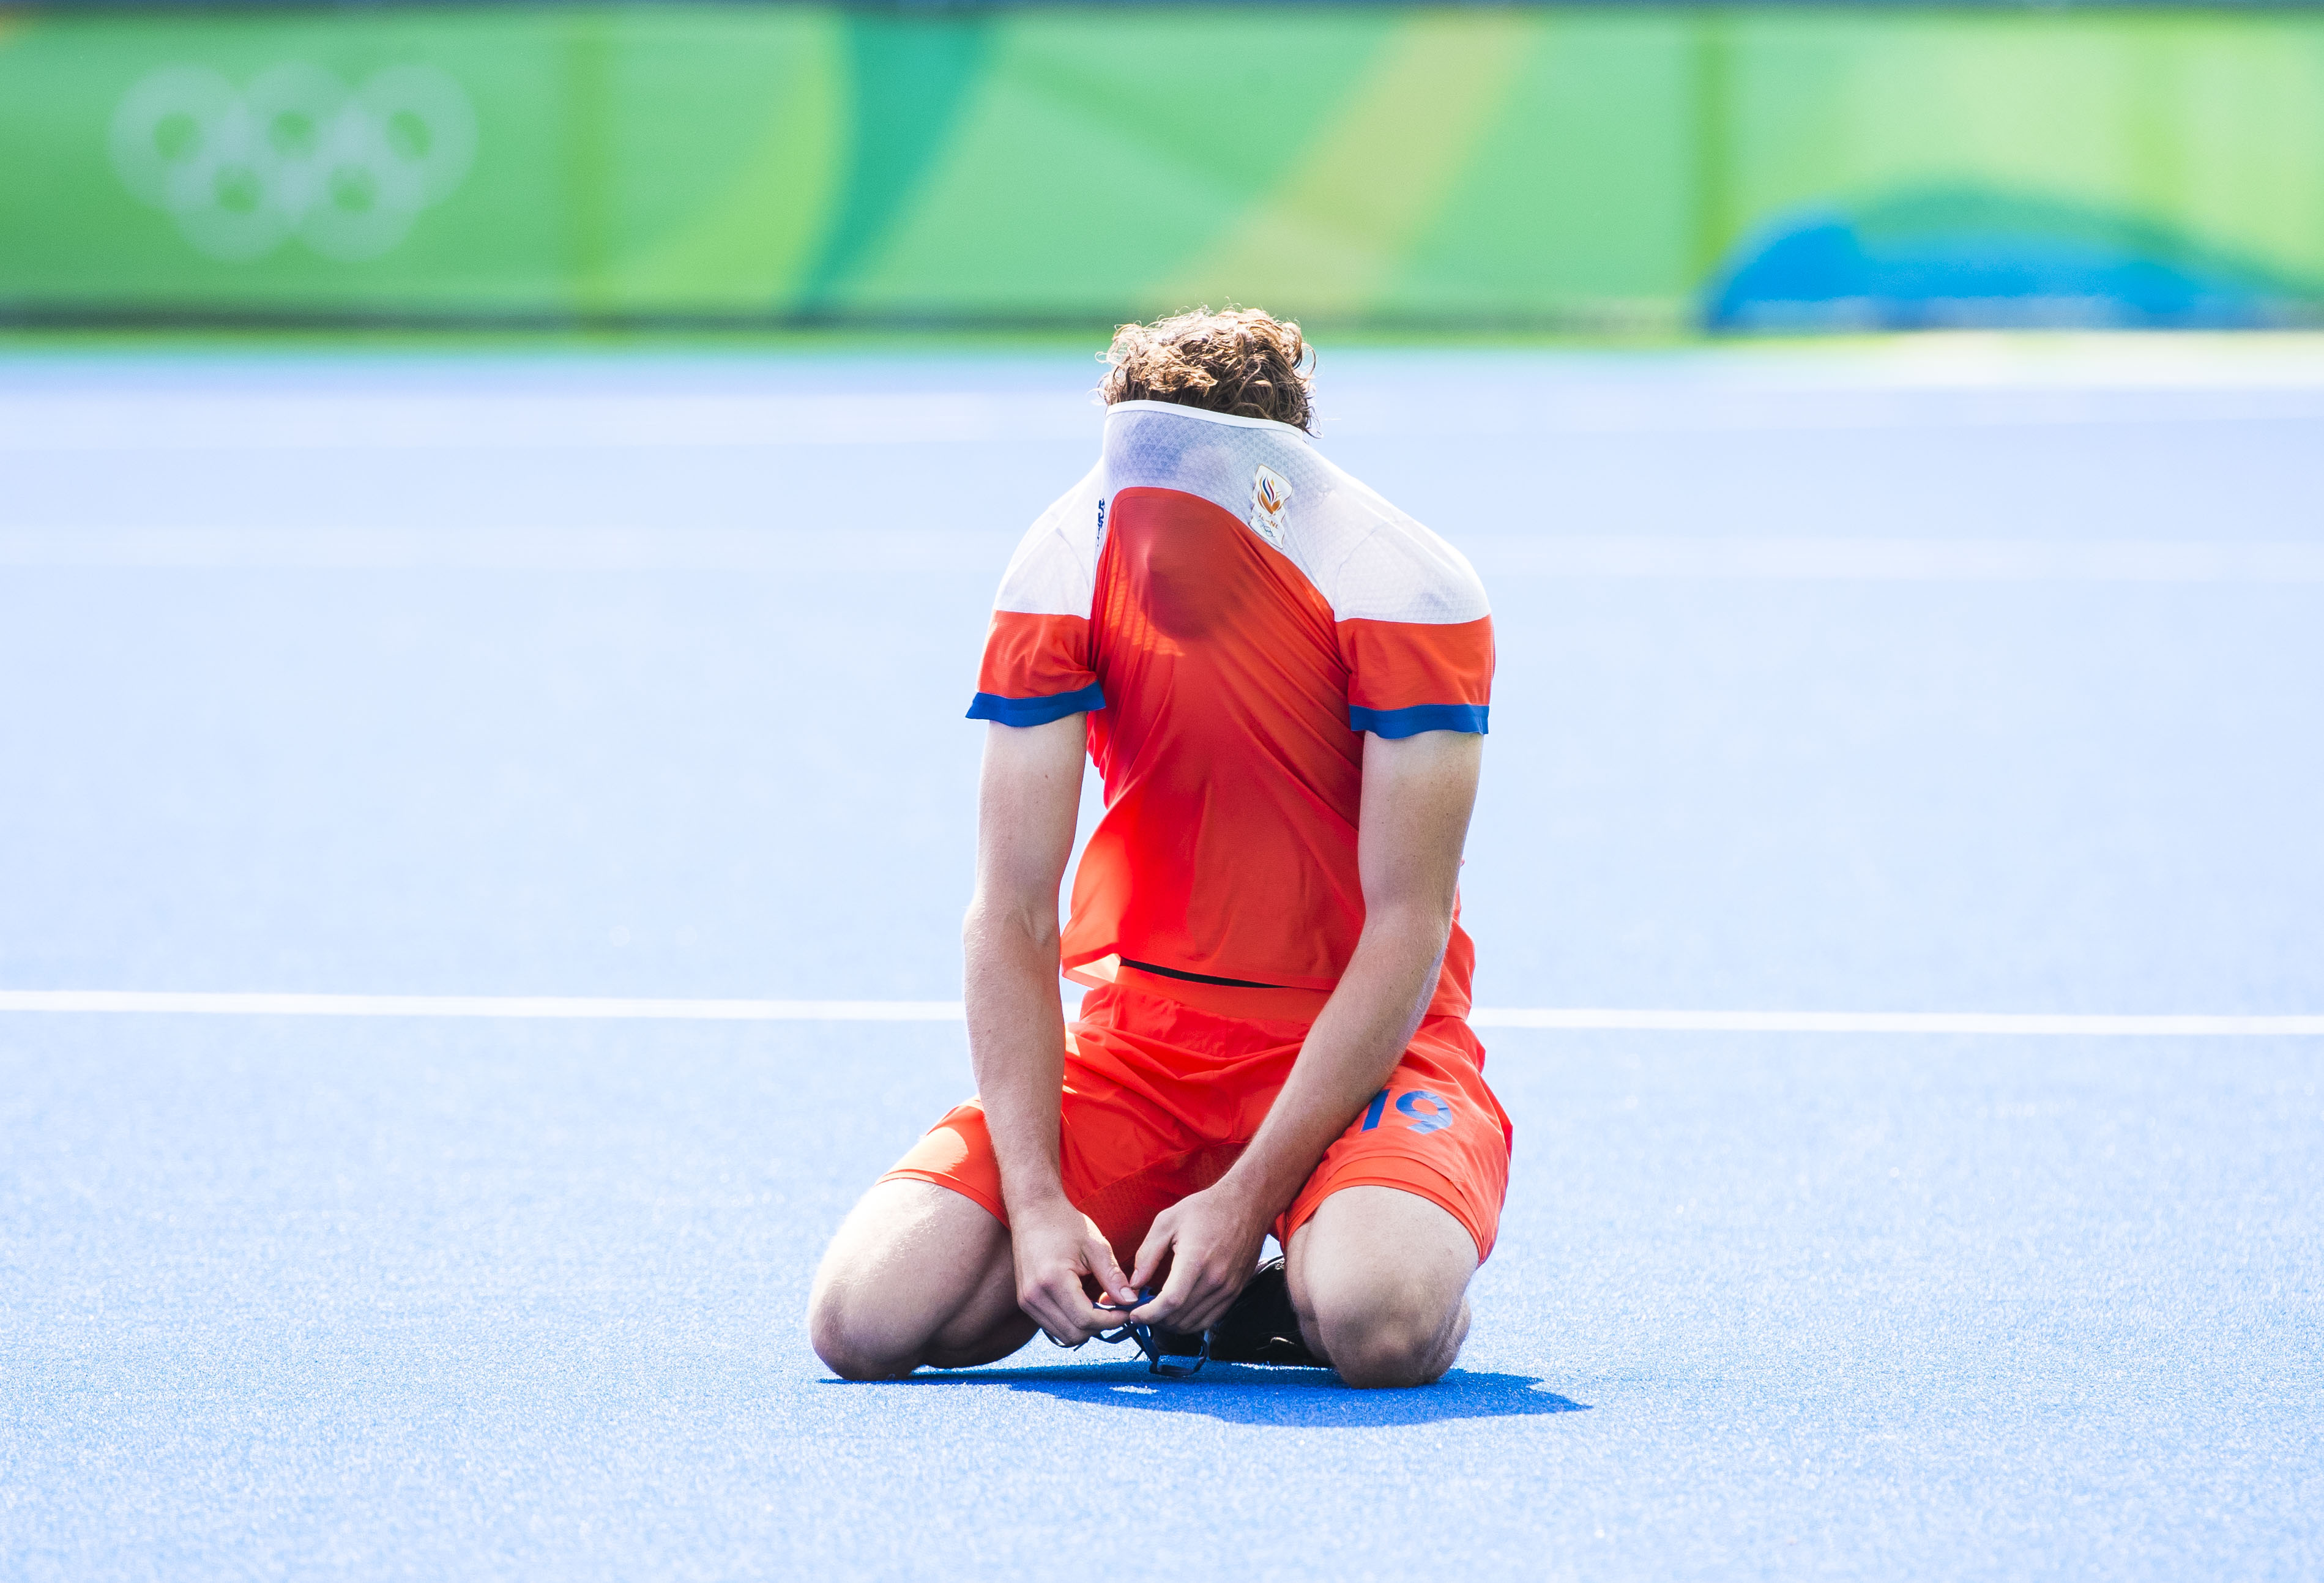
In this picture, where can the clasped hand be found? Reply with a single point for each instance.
(1060, 1253)
(1202, 1252)
(1203, 1249)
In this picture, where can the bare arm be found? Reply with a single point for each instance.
(1417, 794)
(1026, 801)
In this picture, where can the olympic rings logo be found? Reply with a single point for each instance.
(295, 153)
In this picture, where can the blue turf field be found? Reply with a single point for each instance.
(1952, 677)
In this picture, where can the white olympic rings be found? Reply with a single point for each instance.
(295, 153)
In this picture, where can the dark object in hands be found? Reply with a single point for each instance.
(1172, 1354)
(1259, 1328)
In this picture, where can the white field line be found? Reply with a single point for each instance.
(510, 548)
(1903, 560)
(619, 1009)
(594, 1007)
(2016, 1024)
(221, 418)
(967, 551)
(228, 419)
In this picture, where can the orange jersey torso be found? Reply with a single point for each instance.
(1230, 663)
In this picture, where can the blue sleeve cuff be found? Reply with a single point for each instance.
(1036, 711)
(1420, 717)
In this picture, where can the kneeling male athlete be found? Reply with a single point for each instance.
(1283, 682)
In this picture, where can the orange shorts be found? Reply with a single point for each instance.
(1161, 1097)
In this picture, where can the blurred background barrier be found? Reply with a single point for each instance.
(1609, 169)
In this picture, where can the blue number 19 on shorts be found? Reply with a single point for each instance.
(1439, 1113)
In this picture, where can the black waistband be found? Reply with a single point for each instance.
(1147, 967)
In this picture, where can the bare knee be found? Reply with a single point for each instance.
(1394, 1341)
(1379, 1280)
(862, 1342)
(854, 1344)
(917, 1275)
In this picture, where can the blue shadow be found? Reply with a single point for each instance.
(1296, 1398)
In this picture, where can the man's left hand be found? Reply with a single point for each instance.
(1210, 1242)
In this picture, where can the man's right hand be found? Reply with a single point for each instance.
(1058, 1249)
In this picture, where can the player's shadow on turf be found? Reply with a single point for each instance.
(1295, 1397)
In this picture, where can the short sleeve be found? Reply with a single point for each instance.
(1405, 677)
(1036, 669)
(1416, 631)
(1037, 663)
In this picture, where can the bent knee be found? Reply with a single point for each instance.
(1391, 1338)
(852, 1347)
(1391, 1352)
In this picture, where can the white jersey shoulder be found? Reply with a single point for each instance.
(1055, 569)
(1369, 560)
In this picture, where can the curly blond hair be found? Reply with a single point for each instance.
(1238, 361)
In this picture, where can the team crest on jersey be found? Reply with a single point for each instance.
(1270, 493)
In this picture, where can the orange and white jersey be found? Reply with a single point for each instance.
(1233, 611)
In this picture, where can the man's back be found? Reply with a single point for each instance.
(1235, 612)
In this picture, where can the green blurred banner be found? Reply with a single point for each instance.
(1580, 168)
